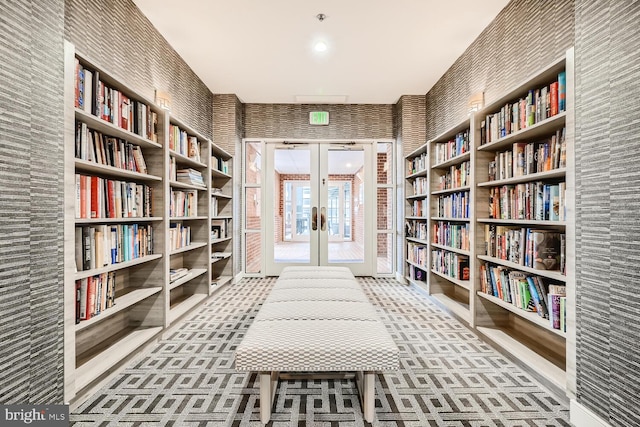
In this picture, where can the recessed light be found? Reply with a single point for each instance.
(320, 46)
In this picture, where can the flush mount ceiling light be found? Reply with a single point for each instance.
(320, 46)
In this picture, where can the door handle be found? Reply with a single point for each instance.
(323, 219)
(314, 219)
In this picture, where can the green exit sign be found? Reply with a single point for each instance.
(319, 118)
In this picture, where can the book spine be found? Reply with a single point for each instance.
(554, 310)
(562, 91)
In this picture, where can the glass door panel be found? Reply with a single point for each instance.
(318, 206)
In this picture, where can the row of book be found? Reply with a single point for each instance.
(417, 274)
(98, 197)
(179, 235)
(183, 203)
(94, 295)
(214, 206)
(420, 186)
(420, 207)
(457, 176)
(219, 164)
(539, 249)
(528, 158)
(416, 229)
(537, 105)
(417, 254)
(93, 146)
(95, 97)
(450, 264)
(220, 228)
(527, 292)
(454, 205)
(102, 245)
(450, 234)
(454, 147)
(418, 164)
(538, 201)
(183, 143)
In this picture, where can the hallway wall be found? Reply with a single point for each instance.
(346, 121)
(31, 201)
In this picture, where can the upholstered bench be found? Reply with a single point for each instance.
(316, 320)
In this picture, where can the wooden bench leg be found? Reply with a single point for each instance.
(366, 387)
(268, 387)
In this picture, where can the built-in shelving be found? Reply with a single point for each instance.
(524, 334)
(132, 157)
(501, 188)
(114, 183)
(221, 223)
(187, 152)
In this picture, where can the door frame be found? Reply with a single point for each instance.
(368, 267)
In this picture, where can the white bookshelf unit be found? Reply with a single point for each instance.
(525, 191)
(222, 225)
(519, 183)
(188, 190)
(114, 223)
(139, 192)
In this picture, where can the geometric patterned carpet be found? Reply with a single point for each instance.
(447, 376)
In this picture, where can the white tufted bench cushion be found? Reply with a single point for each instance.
(316, 319)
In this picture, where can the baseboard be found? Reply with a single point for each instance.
(581, 416)
(238, 277)
(400, 279)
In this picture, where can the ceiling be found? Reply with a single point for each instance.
(378, 50)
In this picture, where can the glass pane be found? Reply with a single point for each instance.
(385, 253)
(385, 208)
(345, 206)
(253, 163)
(292, 207)
(252, 209)
(253, 246)
(347, 210)
(384, 161)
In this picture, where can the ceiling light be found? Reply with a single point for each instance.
(320, 46)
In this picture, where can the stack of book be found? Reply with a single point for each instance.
(190, 176)
(177, 273)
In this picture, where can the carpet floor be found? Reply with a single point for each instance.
(448, 376)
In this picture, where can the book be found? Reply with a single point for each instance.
(546, 249)
(554, 202)
(78, 295)
(563, 313)
(541, 308)
(553, 98)
(562, 91)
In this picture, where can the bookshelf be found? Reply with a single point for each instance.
(221, 230)
(451, 220)
(519, 187)
(188, 192)
(114, 222)
(524, 184)
(439, 219)
(416, 260)
(139, 213)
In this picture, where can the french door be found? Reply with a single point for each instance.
(321, 207)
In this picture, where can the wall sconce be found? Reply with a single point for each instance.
(163, 99)
(476, 102)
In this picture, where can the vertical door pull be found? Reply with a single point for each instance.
(314, 219)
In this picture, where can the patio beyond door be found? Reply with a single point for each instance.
(320, 214)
